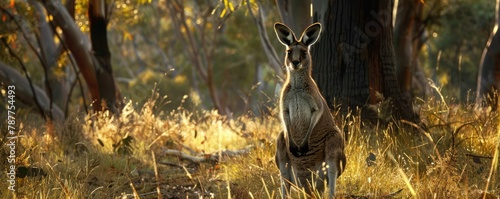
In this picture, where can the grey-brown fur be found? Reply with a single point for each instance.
(311, 146)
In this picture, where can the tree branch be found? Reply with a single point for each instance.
(75, 69)
(40, 58)
(269, 50)
(28, 93)
(78, 44)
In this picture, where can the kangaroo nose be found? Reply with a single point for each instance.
(295, 62)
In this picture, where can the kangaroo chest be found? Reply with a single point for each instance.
(299, 101)
(299, 107)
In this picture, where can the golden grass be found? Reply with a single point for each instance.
(87, 157)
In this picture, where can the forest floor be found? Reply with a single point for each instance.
(183, 154)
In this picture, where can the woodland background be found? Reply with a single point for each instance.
(103, 88)
(198, 48)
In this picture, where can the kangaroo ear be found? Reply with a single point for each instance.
(311, 34)
(284, 34)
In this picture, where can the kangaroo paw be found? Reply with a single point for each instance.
(299, 151)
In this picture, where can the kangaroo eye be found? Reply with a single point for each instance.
(289, 52)
(303, 53)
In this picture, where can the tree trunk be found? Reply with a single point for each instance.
(94, 64)
(488, 79)
(269, 50)
(102, 57)
(55, 86)
(403, 44)
(79, 46)
(354, 59)
(419, 36)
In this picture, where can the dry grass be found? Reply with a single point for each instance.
(93, 156)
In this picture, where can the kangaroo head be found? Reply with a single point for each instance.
(297, 51)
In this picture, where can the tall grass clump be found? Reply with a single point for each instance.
(149, 153)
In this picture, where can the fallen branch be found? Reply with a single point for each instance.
(390, 195)
(210, 158)
(192, 151)
(170, 164)
(132, 195)
(393, 194)
(478, 156)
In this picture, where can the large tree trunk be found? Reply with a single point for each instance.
(488, 79)
(354, 59)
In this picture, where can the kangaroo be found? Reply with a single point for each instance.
(311, 143)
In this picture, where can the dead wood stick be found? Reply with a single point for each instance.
(170, 164)
(211, 157)
(478, 156)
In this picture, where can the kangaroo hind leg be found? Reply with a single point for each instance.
(335, 160)
(284, 165)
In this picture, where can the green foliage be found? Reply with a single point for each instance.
(147, 52)
(143, 40)
(18, 33)
(459, 32)
(173, 89)
(152, 46)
